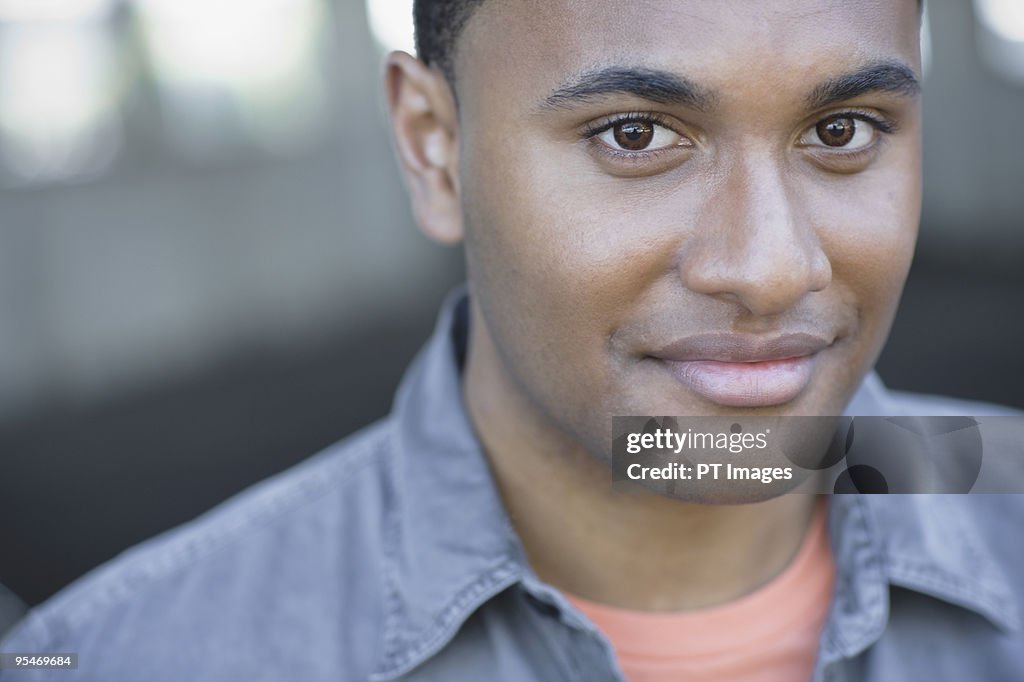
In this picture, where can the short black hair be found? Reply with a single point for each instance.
(439, 24)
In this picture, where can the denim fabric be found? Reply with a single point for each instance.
(390, 557)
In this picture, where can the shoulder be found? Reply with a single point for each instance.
(928, 405)
(874, 398)
(998, 456)
(287, 565)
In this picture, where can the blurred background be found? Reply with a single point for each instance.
(208, 270)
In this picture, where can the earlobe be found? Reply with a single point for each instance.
(425, 127)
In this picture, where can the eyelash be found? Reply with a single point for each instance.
(594, 129)
(882, 124)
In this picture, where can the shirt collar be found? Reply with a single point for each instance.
(931, 544)
(450, 546)
(449, 543)
(925, 543)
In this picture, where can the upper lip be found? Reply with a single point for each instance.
(741, 348)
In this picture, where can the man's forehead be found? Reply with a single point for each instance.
(536, 46)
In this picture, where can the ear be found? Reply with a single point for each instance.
(424, 122)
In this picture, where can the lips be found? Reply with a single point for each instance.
(744, 371)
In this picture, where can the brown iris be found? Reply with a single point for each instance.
(634, 135)
(836, 132)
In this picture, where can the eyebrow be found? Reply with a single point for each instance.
(665, 87)
(653, 85)
(888, 76)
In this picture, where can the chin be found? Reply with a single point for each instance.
(730, 492)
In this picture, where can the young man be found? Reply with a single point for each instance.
(682, 207)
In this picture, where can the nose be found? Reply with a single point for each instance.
(753, 243)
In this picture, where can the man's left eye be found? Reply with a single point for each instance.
(841, 132)
(639, 136)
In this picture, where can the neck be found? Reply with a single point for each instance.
(636, 550)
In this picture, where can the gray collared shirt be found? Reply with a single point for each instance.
(390, 557)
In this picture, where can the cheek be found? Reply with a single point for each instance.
(560, 245)
(871, 229)
(560, 258)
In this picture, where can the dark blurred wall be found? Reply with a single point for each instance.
(960, 330)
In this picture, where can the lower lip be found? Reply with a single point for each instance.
(745, 384)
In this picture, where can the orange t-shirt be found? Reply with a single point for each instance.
(770, 635)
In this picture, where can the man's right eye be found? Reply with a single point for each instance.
(639, 136)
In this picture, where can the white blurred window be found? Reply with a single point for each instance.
(237, 72)
(230, 75)
(59, 115)
(391, 24)
(1001, 36)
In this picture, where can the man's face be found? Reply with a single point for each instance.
(687, 207)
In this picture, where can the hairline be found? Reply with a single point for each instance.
(447, 62)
